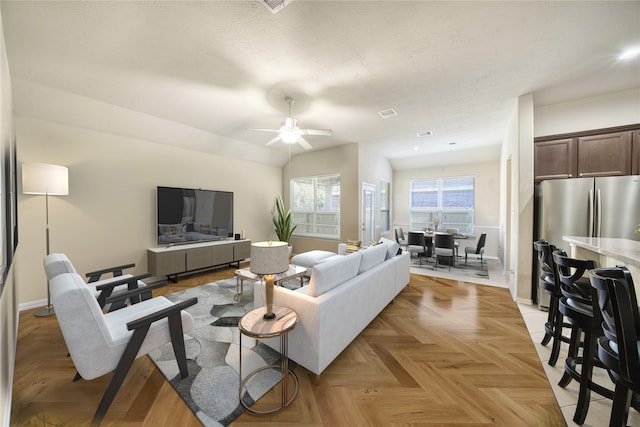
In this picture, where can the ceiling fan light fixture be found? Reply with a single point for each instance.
(289, 137)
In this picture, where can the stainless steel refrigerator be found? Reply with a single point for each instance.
(597, 207)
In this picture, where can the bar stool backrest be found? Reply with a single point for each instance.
(547, 274)
(618, 305)
(571, 274)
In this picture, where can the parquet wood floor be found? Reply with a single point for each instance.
(444, 353)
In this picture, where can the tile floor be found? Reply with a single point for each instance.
(600, 407)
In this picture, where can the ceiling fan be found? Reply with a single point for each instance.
(290, 133)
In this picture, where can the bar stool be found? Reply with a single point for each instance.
(619, 347)
(548, 281)
(579, 306)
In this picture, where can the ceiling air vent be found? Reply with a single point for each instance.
(385, 114)
(275, 6)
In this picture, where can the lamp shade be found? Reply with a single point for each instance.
(269, 257)
(42, 178)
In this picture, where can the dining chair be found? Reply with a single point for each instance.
(416, 244)
(400, 238)
(478, 249)
(455, 232)
(443, 244)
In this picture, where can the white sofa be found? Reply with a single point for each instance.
(345, 293)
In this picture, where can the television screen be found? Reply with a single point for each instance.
(188, 215)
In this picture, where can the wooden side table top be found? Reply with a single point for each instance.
(254, 325)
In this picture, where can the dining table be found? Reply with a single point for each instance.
(456, 236)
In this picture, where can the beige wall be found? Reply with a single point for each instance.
(342, 160)
(108, 218)
(487, 197)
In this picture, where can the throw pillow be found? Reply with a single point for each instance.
(353, 246)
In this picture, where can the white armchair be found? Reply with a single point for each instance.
(100, 343)
(102, 288)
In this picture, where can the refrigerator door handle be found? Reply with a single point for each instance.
(598, 213)
(591, 214)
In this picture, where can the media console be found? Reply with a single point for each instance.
(173, 260)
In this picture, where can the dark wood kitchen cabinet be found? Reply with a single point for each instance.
(605, 155)
(603, 152)
(555, 159)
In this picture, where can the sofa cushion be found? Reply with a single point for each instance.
(392, 247)
(371, 257)
(333, 272)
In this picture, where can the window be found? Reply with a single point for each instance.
(442, 203)
(315, 206)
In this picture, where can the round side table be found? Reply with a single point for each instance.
(253, 325)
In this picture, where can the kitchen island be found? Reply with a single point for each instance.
(608, 252)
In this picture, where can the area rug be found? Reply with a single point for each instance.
(211, 389)
(488, 273)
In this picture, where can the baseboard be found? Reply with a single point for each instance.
(12, 367)
(527, 301)
(32, 304)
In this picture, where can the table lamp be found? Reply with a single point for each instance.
(49, 180)
(267, 260)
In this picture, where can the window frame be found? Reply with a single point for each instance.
(314, 213)
(445, 214)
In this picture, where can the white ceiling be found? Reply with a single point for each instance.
(198, 74)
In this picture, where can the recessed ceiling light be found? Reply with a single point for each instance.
(629, 54)
(424, 133)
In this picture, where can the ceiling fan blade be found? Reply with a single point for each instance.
(304, 143)
(273, 141)
(324, 132)
(266, 130)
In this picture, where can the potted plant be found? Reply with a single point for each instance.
(283, 222)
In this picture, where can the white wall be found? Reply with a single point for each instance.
(108, 218)
(509, 197)
(487, 197)
(613, 109)
(522, 179)
(373, 169)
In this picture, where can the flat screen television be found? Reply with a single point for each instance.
(186, 215)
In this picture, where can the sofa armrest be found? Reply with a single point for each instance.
(94, 276)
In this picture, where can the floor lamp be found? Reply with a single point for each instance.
(50, 180)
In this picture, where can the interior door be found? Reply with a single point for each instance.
(368, 213)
